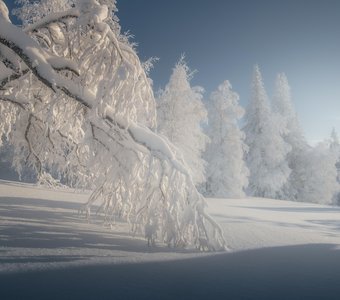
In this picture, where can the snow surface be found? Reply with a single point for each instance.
(279, 250)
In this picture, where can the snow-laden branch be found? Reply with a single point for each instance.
(56, 17)
(43, 64)
(9, 76)
(107, 143)
(14, 100)
(153, 142)
(4, 72)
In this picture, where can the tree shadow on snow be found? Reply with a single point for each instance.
(290, 272)
(56, 224)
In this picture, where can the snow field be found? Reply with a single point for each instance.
(279, 250)
(42, 229)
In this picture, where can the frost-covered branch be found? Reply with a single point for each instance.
(90, 119)
(56, 17)
(15, 101)
(30, 146)
(11, 76)
(42, 64)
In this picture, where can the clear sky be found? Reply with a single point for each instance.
(223, 39)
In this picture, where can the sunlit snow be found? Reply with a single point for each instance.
(276, 247)
(42, 229)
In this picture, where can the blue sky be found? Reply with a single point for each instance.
(223, 39)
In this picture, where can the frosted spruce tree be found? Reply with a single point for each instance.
(266, 158)
(227, 174)
(292, 135)
(317, 176)
(180, 115)
(75, 99)
(313, 172)
(334, 146)
(283, 107)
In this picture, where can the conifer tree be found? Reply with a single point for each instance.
(334, 145)
(180, 115)
(292, 134)
(316, 175)
(227, 174)
(313, 172)
(266, 158)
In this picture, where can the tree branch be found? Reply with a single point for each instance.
(31, 150)
(13, 101)
(41, 63)
(12, 77)
(56, 17)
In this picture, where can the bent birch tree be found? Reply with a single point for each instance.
(76, 101)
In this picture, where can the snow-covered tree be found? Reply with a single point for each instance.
(75, 99)
(316, 175)
(283, 107)
(313, 172)
(292, 135)
(227, 174)
(334, 146)
(266, 158)
(180, 116)
(334, 142)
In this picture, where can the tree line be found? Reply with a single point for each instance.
(266, 156)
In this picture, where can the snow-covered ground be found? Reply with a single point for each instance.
(278, 250)
(256, 222)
